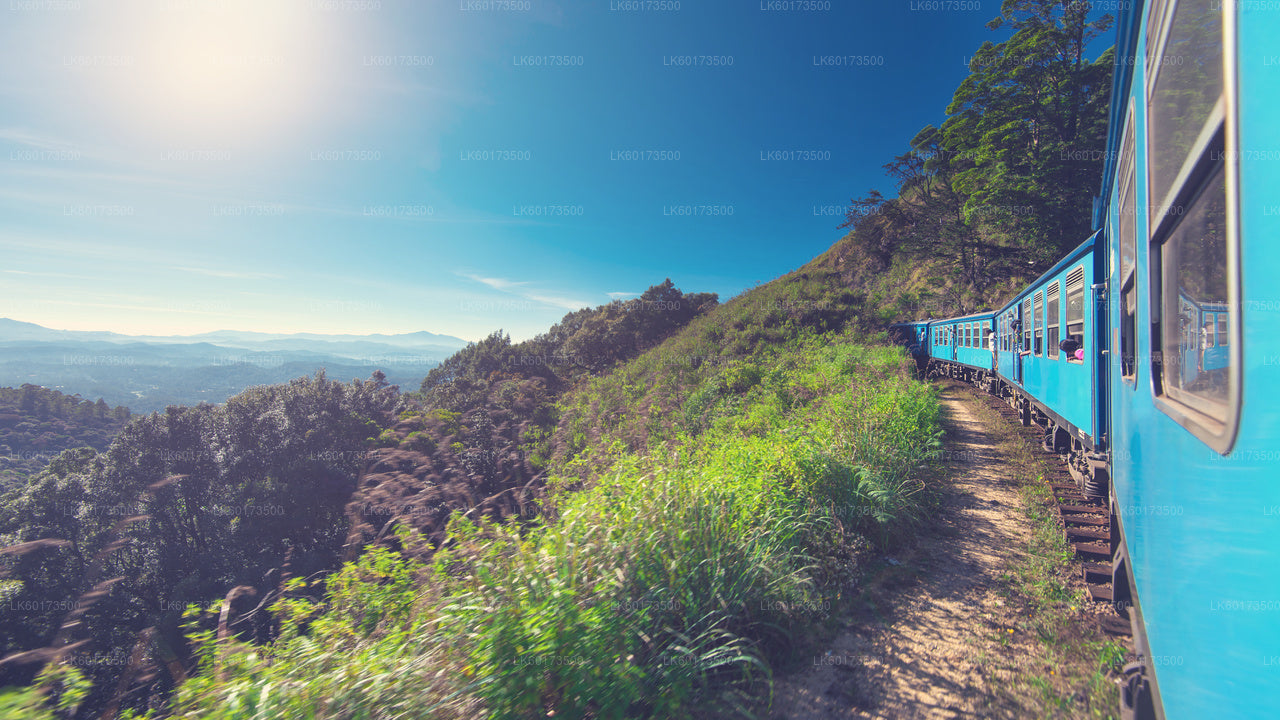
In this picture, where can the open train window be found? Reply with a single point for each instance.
(986, 337)
(1053, 319)
(1128, 232)
(1039, 323)
(1026, 325)
(1075, 308)
(1191, 178)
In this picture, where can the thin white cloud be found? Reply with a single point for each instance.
(35, 140)
(520, 289)
(621, 295)
(563, 302)
(48, 274)
(495, 283)
(229, 274)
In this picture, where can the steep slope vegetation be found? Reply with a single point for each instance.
(705, 503)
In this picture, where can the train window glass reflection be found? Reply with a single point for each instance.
(1191, 155)
(1052, 319)
(1039, 323)
(1186, 107)
(1075, 308)
(1194, 259)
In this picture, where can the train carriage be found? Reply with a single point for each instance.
(961, 347)
(1049, 362)
(1169, 411)
(914, 336)
(1192, 309)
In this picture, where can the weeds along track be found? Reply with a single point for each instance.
(1085, 522)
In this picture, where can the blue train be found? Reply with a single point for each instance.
(1150, 355)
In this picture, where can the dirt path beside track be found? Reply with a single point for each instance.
(939, 635)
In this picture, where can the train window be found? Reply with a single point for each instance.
(1222, 330)
(986, 337)
(1026, 325)
(1187, 99)
(1039, 324)
(1053, 319)
(1153, 27)
(1128, 232)
(968, 334)
(1075, 308)
(1194, 263)
(1191, 155)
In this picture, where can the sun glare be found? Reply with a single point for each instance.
(226, 71)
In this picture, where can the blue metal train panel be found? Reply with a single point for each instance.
(1046, 345)
(1193, 306)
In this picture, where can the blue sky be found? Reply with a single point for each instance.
(361, 166)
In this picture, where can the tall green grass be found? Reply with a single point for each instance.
(665, 584)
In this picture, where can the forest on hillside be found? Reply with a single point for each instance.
(106, 549)
(36, 424)
(1005, 187)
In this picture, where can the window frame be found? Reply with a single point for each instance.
(1126, 183)
(1068, 287)
(1218, 134)
(1053, 319)
(1026, 325)
(1037, 308)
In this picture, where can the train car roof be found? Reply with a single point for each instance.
(1080, 251)
(971, 316)
(1127, 24)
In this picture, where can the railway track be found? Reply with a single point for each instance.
(1085, 522)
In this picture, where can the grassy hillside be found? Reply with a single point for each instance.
(706, 502)
(698, 509)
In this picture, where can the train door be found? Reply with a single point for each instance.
(992, 343)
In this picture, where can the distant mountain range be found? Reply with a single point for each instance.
(148, 373)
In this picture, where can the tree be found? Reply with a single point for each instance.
(1028, 125)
